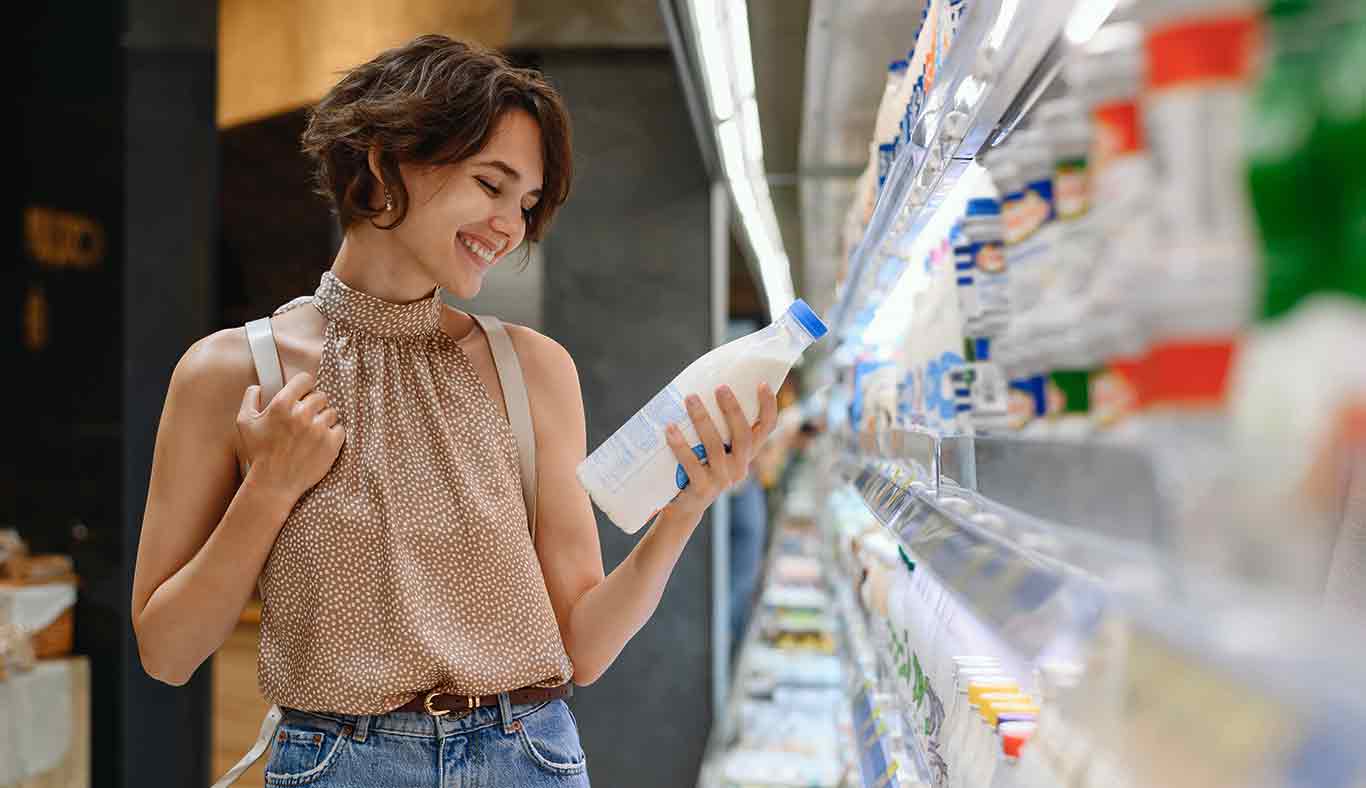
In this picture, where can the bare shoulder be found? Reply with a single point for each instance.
(552, 383)
(216, 368)
(547, 365)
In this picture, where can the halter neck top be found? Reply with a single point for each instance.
(409, 567)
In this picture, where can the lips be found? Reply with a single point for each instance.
(479, 248)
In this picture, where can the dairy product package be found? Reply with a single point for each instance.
(634, 474)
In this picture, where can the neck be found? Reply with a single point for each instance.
(372, 261)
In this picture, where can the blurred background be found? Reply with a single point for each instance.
(1095, 273)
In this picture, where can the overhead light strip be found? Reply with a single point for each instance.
(721, 31)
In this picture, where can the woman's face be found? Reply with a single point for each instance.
(464, 218)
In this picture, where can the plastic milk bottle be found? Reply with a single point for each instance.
(634, 473)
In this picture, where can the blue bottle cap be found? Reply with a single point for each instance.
(807, 318)
(983, 349)
(898, 65)
(983, 206)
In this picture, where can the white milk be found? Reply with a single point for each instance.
(634, 474)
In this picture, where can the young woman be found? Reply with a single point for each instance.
(422, 621)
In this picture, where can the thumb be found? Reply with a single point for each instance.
(251, 401)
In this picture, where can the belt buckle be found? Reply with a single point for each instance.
(473, 702)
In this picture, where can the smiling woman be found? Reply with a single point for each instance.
(402, 127)
(428, 564)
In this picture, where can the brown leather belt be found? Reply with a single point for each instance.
(439, 704)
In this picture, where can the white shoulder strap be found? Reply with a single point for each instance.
(268, 727)
(518, 405)
(261, 340)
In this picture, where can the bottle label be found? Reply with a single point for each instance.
(1073, 189)
(1069, 391)
(988, 389)
(968, 306)
(1113, 397)
(989, 276)
(1030, 211)
(620, 456)
(939, 390)
(961, 378)
(1118, 132)
(1019, 408)
(1028, 400)
(1203, 49)
(1012, 219)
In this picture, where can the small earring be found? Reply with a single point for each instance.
(388, 201)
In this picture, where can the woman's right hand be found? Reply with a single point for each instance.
(291, 444)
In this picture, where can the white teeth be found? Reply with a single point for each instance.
(484, 253)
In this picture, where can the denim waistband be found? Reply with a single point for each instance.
(421, 724)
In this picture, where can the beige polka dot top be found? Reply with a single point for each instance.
(409, 567)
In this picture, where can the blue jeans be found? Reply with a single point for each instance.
(748, 533)
(533, 745)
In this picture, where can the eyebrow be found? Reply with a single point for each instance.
(507, 169)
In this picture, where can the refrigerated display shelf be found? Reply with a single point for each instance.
(1001, 61)
(1256, 688)
(877, 764)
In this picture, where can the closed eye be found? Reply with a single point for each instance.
(489, 187)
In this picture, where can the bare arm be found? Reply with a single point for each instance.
(599, 614)
(205, 538)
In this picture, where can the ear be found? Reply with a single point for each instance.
(372, 158)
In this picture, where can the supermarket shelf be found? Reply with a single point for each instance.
(1236, 692)
(1021, 593)
(1108, 490)
(1004, 57)
(1105, 488)
(1172, 666)
(863, 663)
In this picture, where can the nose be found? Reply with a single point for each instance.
(505, 225)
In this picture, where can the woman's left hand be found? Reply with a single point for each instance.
(724, 467)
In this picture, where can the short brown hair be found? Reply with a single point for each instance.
(434, 100)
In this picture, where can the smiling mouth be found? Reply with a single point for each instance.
(477, 249)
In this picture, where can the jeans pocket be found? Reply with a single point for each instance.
(301, 753)
(551, 739)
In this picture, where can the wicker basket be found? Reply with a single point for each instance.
(58, 638)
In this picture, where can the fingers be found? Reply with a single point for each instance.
(328, 417)
(295, 390)
(768, 413)
(698, 478)
(711, 437)
(742, 440)
(251, 401)
(314, 403)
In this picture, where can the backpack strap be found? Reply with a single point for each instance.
(261, 339)
(271, 377)
(269, 373)
(518, 405)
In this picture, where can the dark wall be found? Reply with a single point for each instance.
(171, 220)
(114, 281)
(627, 286)
(276, 236)
(68, 339)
